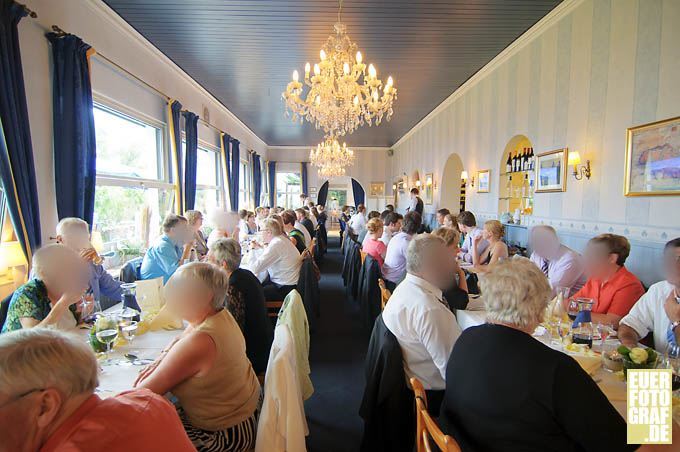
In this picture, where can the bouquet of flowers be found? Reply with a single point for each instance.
(638, 358)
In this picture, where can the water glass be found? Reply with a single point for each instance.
(605, 330)
(107, 332)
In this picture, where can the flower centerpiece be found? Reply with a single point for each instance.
(638, 358)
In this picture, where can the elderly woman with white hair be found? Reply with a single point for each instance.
(507, 391)
(47, 401)
(60, 279)
(206, 367)
(226, 224)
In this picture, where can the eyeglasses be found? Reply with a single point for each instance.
(20, 396)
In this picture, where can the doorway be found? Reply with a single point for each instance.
(452, 195)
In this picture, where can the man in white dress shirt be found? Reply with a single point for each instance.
(562, 265)
(357, 223)
(420, 318)
(392, 222)
(467, 223)
(657, 311)
(280, 259)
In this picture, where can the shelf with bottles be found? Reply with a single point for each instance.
(517, 177)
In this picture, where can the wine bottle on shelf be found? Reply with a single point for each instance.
(525, 159)
(508, 165)
(531, 159)
(514, 162)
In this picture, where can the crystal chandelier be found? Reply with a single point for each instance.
(331, 158)
(342, 95)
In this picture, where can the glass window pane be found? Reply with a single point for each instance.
(130, 216)
(207, 200)
(125, 146)
(206, 173)
(288, 190)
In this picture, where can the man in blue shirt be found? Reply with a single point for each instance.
(75, 234)
(169, 251)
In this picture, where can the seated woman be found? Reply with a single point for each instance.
(548, 403)
(245, 301)
(49, 299)
(372, 245)
(206, 367)
(457, 296)
(195, 220)
(295, 235)
(247, 226)
(226, 225)
(497, 250)
(280, 259)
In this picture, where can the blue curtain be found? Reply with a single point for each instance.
(271, 174)
(323, 194)
(190, 159)
(75, 154)
(257, 180)
(235, 163)
(226, 168)
(174, 112)
(17, 170)
(358, 191)
(305, 179)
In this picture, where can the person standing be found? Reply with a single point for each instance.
(416, 203)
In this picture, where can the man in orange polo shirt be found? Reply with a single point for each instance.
(613, 288)
(47, 401)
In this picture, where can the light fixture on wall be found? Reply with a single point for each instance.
(418, 183)
(394, 187)
(12, 258)
(464, 178)
(575, 160)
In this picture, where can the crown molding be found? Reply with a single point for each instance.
(100, 8)
(307, 148)
(518, 44)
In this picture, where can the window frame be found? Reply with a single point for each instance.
(244, 176)
(276, 186)
(220, 187)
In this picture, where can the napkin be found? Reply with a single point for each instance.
(165, 320)
(149, 294)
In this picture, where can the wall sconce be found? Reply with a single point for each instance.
(394, 187)
(575, 160)
(418, 183)
(12, 258)
(429, 182)
(464, 178)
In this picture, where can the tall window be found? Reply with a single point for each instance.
(243, 185)
(288, 190)
(208, 191)
(133, 191)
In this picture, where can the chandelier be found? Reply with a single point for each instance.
(341, 94)
(331, 158)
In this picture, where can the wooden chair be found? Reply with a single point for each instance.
(385, 294)
(363, 257)
(273, 308)
(426, 427)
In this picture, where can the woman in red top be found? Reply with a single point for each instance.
(611, 286)
(373, 246)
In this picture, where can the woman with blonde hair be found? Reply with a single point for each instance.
(206, 367)
(372, 244)
(457, 297)
(493, 233)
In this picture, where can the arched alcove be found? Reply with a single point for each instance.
(516, 185)
(341, 191)
(451, 183)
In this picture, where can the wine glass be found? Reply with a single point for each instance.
(563, 328)
(605, 330)
(107, 332)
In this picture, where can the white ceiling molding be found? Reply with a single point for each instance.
(104, 11)
(518, 44)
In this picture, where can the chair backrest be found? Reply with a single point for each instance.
(131, 271)
(312, 247)
(363, 256)
(426, 427)
(4, 307)
(385, 293)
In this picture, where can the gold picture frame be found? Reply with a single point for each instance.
(551, 171)
(483, 181)
(429, 189)
(653, 159)
(377, 189)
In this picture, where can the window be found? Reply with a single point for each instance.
(243, 186)
(288, 190)
(133, 191)
(208, 191)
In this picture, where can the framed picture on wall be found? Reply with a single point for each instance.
(483, 181)
(653, 159)
(551, 171)
(377, 189)
(429, 190)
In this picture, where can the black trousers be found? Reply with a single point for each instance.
(434, 401)
(275, 292)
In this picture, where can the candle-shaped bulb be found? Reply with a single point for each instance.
(371, 71)
(375, 96)
(359, 57)
(390, 82)
(345, 68)
(307, 68)
(295, 75)
(322, 54)
(356, 101)
(317, 70)
(317, 100)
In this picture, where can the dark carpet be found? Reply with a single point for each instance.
(336, 357)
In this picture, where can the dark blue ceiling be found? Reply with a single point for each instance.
(244, 51)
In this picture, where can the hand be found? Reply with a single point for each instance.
(146, 371)
(478, 238)
(672, 308)
(69, 298)
(89, 254)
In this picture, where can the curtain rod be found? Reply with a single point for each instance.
(120, 68)
(32, 14)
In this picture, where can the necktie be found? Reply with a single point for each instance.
(544, 267)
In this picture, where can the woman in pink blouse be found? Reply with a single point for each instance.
(373, 246)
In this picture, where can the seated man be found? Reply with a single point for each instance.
(304, 225)
(75, 234)
(612, 287)
(441, 215)
(245, 301)
(467, 224)
(53, 296)
(47, 384)
(394, 267)
(563, 266)
(169, 251)
(419, 317)
(392, 222)
(658, 310)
